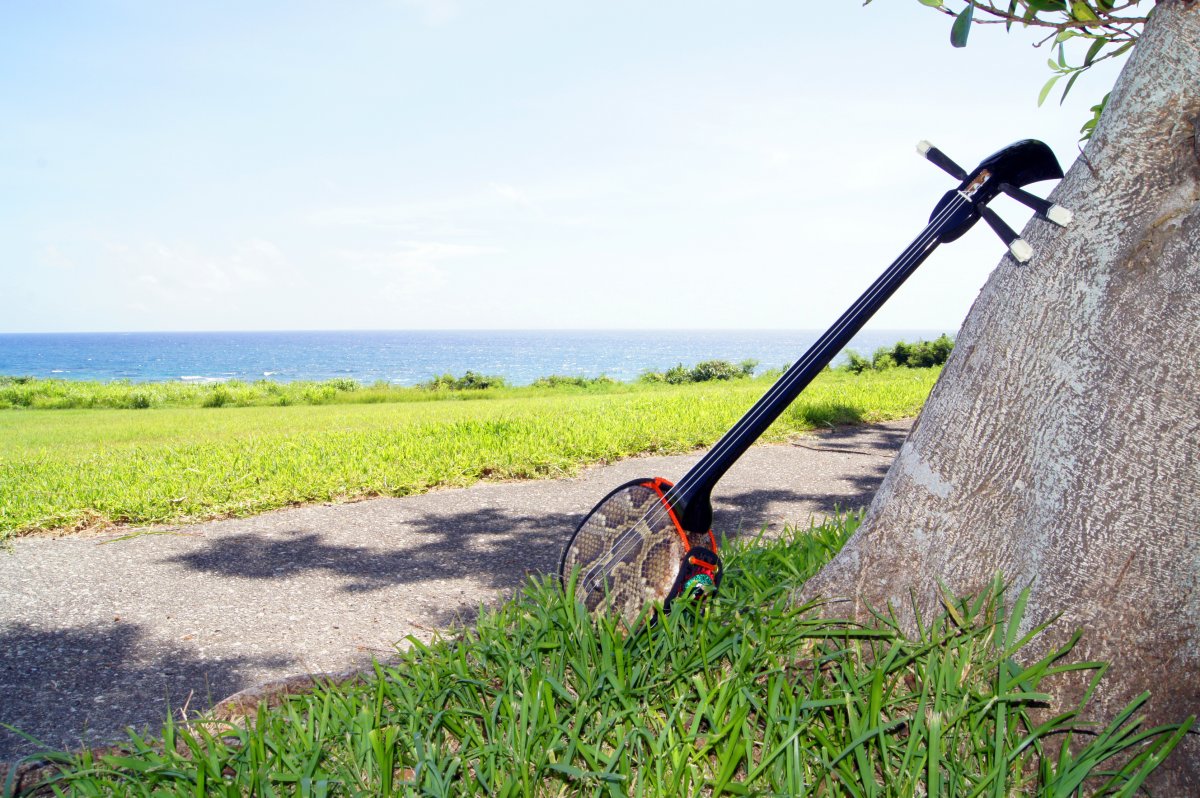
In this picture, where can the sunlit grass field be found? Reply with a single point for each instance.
(748, 695)
(63, 469)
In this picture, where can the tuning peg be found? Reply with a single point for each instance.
(1019, 248)
(939, 159)
(1055, 213)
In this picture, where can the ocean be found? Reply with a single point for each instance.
(402, 357)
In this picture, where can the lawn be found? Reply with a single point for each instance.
(73, 468)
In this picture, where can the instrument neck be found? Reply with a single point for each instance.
(699, 481)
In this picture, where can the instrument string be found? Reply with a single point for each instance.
(660, 509)
(656, 513)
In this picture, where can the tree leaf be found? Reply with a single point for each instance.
(1070, 83)
(931, 3)
(962, 26)
(1046, 89)
(1093, 51)
(1083, 12)
(1046, 5)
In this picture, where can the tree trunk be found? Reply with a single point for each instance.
(1060, 446)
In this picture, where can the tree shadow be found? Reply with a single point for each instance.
(82, 686)
(884, 443)
(495, 547)
(746, 513)
(492, 545)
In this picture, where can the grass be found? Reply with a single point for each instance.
(69, 469)
(749, 695)
(19, 393)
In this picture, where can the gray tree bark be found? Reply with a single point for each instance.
(1061, 446)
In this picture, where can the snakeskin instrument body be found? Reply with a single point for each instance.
(628, 550)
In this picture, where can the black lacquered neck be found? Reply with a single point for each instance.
(699, 481)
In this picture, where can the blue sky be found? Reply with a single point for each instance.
(456, 164)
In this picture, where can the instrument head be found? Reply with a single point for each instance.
(1027, 161)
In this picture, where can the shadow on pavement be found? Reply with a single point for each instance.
(72, 687)
(491, 545)
(885, 444)
(487, 544)
(744, 514)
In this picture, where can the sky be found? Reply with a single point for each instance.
(450, 164)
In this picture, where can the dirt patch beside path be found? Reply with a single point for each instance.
(102, 632)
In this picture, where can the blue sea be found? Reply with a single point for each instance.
(402, 357)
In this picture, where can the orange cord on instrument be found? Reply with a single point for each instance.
(656, 485)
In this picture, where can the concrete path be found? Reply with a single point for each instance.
(102, 632)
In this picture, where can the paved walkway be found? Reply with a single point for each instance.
(99, 633)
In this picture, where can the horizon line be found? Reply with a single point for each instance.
(866, 328)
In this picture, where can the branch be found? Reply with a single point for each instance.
(1118, 27)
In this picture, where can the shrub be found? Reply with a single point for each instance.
(219, 396)
(856, 363)
(559, 380)
(676, 375)
(16, 397)
(318, 394)
(443, 383)
(919, 355)
(715, 370)
(471, 381)
(345, 384)
(886, 358)
(705, 371)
